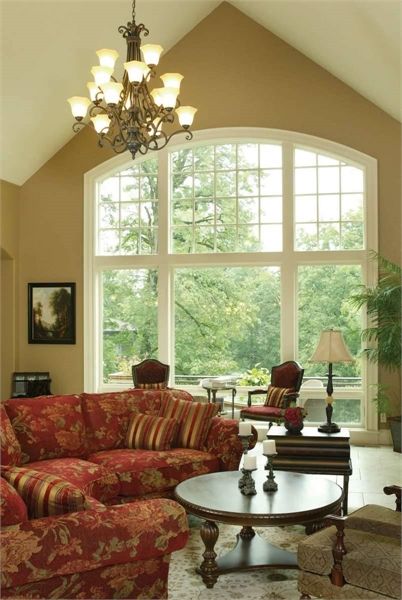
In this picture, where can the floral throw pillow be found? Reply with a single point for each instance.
(151, 433)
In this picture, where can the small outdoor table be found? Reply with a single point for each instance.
(212, 388)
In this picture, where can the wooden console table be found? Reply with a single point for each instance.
(314, 452)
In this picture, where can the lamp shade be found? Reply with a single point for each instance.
(331, 348)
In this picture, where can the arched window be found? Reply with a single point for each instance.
(228, 254)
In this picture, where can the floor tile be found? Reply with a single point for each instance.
(380, 499)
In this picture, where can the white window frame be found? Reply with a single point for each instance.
(288, 260)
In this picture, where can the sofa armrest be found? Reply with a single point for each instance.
(223, 441)
(82, 541)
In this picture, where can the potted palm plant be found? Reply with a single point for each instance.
(384, 333)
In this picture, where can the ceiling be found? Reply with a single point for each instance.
(47, 49)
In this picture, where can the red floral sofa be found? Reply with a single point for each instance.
(114, 544)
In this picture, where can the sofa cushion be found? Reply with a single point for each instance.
(107, 415)
(276, 396)
(194, 420)
(13, 509)
(151, 433)
(93, 480)
(147, 471)
(44, 494)
(10, 447)
(48, 426)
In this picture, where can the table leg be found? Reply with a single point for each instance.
(233, 399)
(208, 568)
(345, 497)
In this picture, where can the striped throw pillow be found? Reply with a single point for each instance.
(44, 494)
(276, 396)
(151, 433)
(194, 420)
(152, 386)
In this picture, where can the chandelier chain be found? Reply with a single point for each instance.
(133, 11)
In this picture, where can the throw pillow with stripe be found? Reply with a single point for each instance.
(152, 386)
(44, 494)
(276, 396)
(194, 420)
(151, 433)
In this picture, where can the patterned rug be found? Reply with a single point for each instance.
(259, 584)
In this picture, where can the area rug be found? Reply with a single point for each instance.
(259, 584)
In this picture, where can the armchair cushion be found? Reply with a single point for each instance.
(376, 519)
(151, 433)
(13, 509)
(266, 412)
(194, 420)
(276, 396)
(44, 494)
(10, 447)
(372, 562)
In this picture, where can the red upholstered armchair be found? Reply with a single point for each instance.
(286, 380)
(150, 374)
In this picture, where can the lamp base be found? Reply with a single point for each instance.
(329, 428)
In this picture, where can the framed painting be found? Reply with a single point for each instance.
(51, 313)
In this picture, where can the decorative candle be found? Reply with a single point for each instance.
(244, 428)
(268, 447)
(250, 462)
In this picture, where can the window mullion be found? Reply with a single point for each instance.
(288, 266)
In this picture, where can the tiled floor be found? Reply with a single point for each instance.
(373, 468)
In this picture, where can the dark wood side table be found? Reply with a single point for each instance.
(314, 452)
(212, 389)
(216, 497)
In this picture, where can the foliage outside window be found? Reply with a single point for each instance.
(233, 200)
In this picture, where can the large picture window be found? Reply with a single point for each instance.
(230, 253)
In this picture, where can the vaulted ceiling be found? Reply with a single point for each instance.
(48, 46)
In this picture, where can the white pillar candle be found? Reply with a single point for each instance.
(244, 428)
(250, 462)
(268, 447)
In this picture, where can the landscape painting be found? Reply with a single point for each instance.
(51, 313)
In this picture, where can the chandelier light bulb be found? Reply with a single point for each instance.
(156, 95)
(93, 90)
(107, 57)
(112, 91)
(172, 80)
(101, 123)
(186, 115)
(79, 106)
(169, 96)
(151, 53)
(101, 74)
(136, 70)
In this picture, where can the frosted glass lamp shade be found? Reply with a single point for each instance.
(172, 80)
(101, 74)
(151, 53)
(111, 91)
(107, 57)
(169, 96)
(79, 106)
(186, 115)
(331, 348)
(93, 90)
(136, 70)
(101, 123)
(156, 95)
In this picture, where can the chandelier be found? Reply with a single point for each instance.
(127, 115)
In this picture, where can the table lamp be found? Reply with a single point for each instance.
(331, 348)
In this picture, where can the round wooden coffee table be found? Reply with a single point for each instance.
(300, 499)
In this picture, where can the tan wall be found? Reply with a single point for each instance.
(238, 74)
(9, 238)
